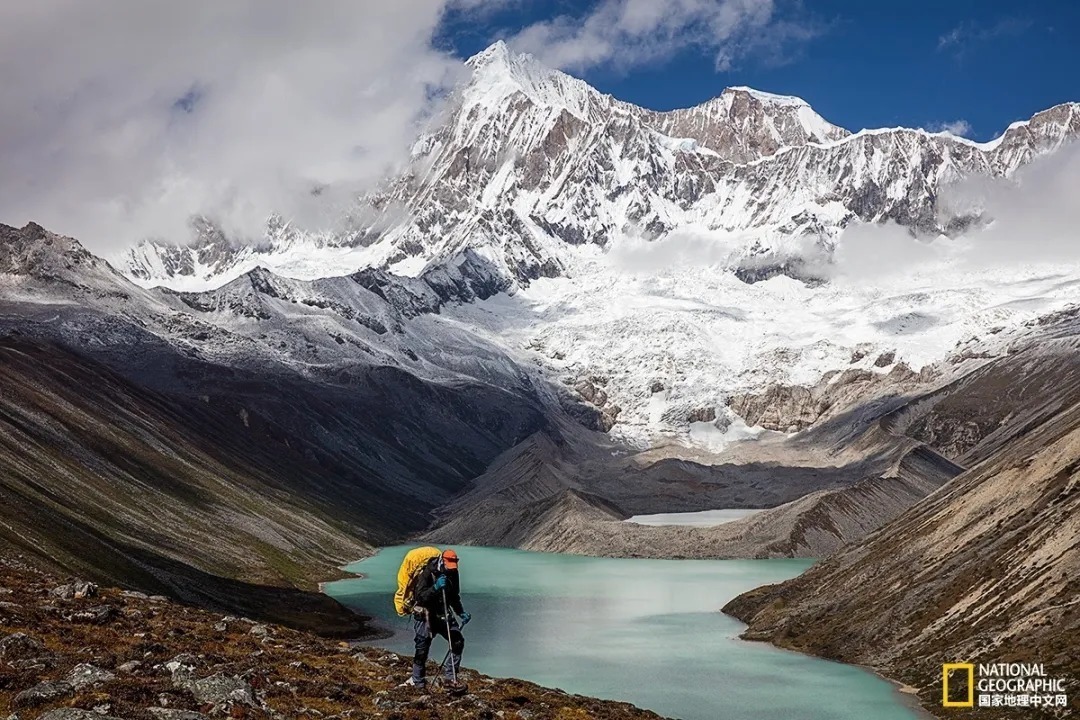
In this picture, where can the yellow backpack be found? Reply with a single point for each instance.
(414, 562)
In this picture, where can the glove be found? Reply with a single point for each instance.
(440, 582)
(465, 618)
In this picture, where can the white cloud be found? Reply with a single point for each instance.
(867, 252)
(959, 128)
(629, 33)
(681, 248)
(122, 119)
(970, 33)
(1031, 218)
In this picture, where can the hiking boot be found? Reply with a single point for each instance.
(454, 688)
(414, 683)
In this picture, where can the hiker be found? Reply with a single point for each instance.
(436, 601)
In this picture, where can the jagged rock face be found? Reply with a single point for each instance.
(530, 162)
(792, 408)
(34, 252)
(743, 125)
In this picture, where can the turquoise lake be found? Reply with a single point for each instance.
(642, 631)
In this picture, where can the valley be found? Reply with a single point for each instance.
(562, 312)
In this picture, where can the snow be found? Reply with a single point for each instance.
(704, 335)
(640, 311)
(298, 261)
(771, 98)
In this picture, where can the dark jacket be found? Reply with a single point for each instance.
(427, 597)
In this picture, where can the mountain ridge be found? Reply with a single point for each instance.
(554, 129)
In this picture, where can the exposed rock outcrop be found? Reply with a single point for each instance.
(984, 569)
(792, 408)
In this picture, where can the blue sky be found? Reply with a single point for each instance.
(859, 63)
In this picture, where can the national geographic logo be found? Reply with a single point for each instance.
(958, 674)
(1000, 685)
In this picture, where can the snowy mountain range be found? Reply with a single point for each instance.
(530, 161)
(654, 262)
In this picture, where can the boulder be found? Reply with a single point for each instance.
(183, 661)
(85, 675)
(97, 615)
(73, 714)
(175, 714)
(218, 689)
(20, 646)
(42, 693)
(76, 590)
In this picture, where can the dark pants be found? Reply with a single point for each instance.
(425, 630)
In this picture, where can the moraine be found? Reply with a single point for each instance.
(643, 631)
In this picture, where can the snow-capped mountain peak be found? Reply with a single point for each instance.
(500, 75)
(743, 124)
(530, 163)
(764, 97)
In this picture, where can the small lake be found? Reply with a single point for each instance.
(642, 631)
(703, 518)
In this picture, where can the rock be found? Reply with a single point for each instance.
(221, 627)
(42, 693)
(129, 667)
(76, 590)
(38, 663)
(260, 631)
(885, 359)
(73, 714)
(134, 595)
(5, 591)
(20, 646)
(218, 689)
(97, 615)
(183, 660)
(173, 714)
(384, 703)
(701, 414)
(85, 675)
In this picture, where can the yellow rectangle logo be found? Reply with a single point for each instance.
(946, 670)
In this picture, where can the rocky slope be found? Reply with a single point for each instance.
(202, 445)
(76, 652)
(871, 446)
(563, 492)
(982, 570)
(105, 479)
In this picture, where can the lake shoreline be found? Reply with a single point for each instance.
(561, 585)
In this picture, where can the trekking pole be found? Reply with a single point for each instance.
(450, 642)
